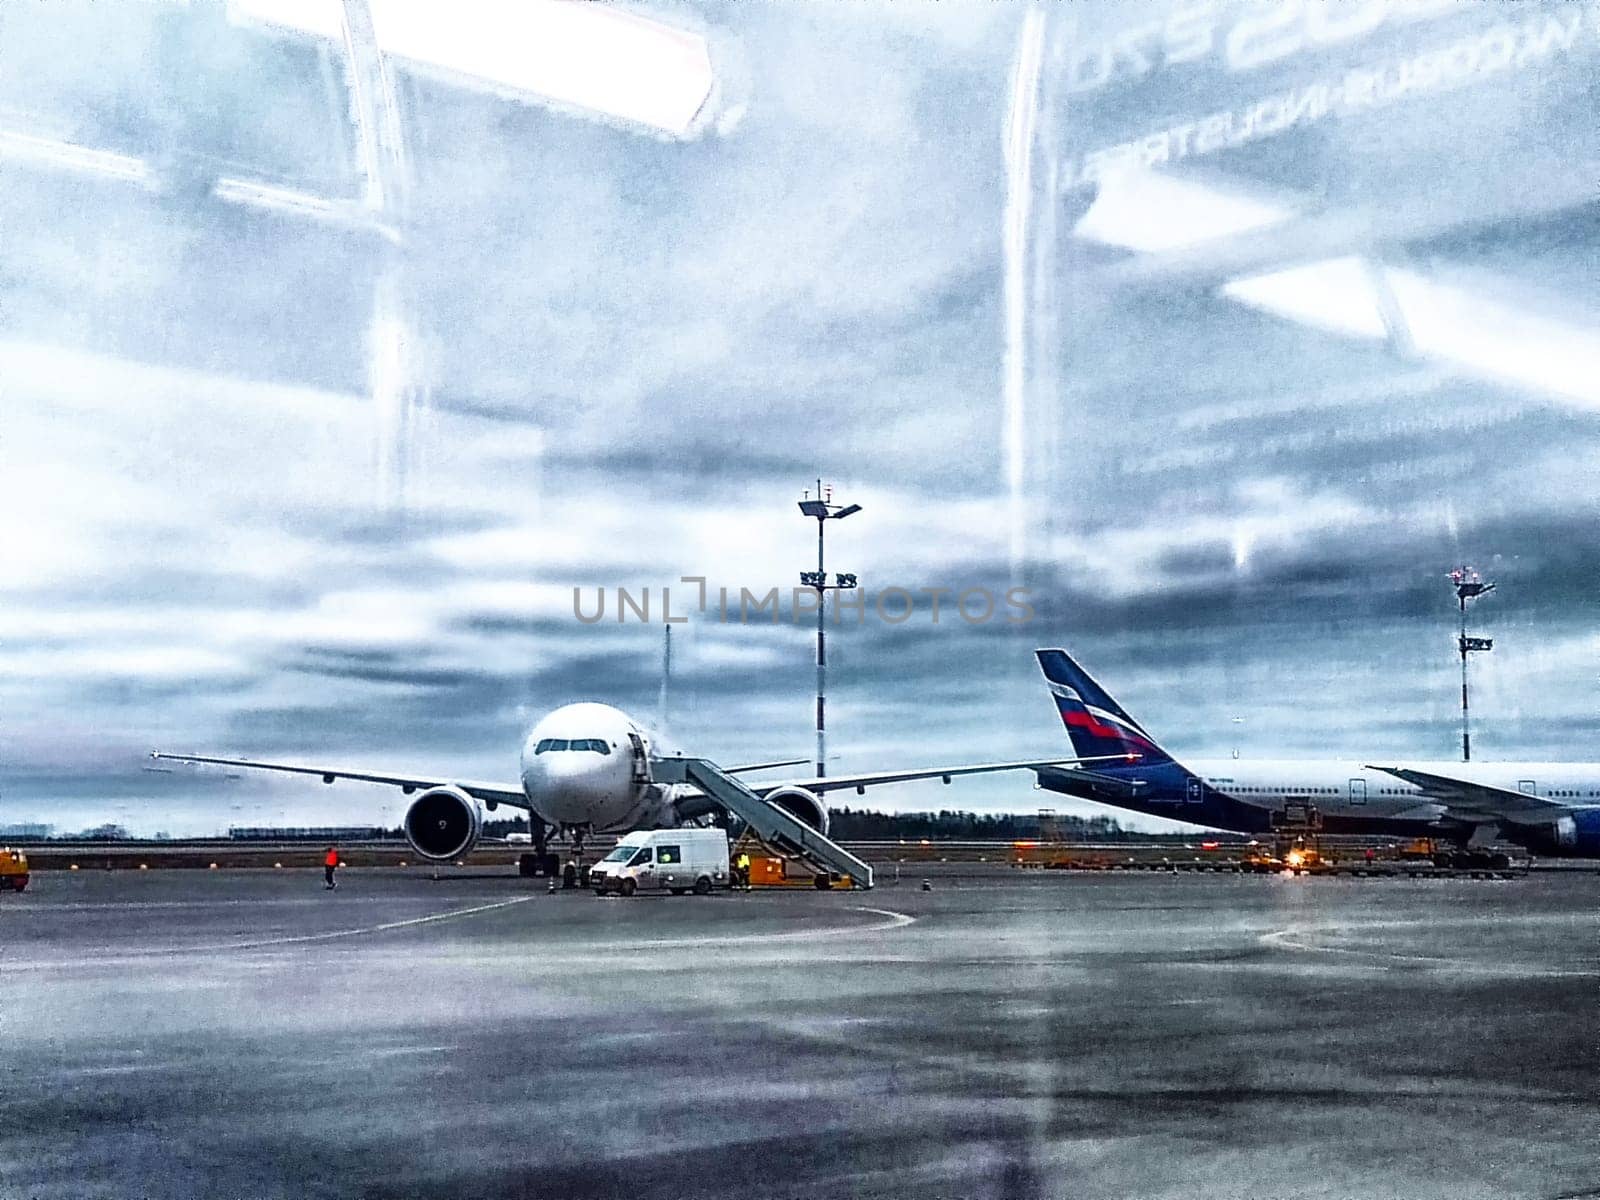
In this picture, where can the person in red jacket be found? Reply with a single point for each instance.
(330, 864)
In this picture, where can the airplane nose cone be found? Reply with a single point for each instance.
(568, 787)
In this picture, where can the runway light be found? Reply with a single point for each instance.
(73, 867)
(277, 866)
(144, 866)
(1503, 341)
(73, 157)
(299, 203)
(1540, 346)
(1335, 294)
(591, 57)
(1149, 212)
(213, 867)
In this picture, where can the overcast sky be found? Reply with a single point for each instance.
(629, 354)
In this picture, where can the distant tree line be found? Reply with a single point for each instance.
(864, 825)
(501, 826)
(846, 825)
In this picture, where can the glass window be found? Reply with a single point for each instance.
(619, 854)
(668, 855)
(640, 858)
(595, 58)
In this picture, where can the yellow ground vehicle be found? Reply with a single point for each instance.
(13, 870)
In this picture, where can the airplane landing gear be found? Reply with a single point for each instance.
(1466, 858)
(533, 866)
(547, 864)
(574, 874)
(541, 862)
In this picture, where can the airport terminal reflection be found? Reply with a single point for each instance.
(340, 340)
(1321, 192)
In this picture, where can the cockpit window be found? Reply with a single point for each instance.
(598, 745)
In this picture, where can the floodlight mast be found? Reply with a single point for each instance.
(823, 510)
(1469, 586)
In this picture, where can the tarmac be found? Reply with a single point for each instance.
(1004, 1034)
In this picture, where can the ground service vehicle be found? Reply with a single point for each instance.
(13, 870)
(676, 860)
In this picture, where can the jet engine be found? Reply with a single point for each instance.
(1577, 835)
(804, 806)
(443, 823)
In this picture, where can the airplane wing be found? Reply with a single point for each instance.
(746, 768)
(1469, 801)
(492, 793)
(861, 783)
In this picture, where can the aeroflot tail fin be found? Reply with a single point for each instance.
(1096, 724)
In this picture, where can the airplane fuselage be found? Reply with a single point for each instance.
(1249, 795)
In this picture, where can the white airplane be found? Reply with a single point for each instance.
(586, 768)
(1548, 808)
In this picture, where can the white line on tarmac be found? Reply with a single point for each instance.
(262, 943)
(402, 1051)
(1292, 939)
(892, 920)
(47, 908)
(295, 939)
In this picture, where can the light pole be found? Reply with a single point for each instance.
(1468, 587)
(823, 510)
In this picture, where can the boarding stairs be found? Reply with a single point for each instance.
(772, 824)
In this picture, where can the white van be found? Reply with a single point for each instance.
(678, 860)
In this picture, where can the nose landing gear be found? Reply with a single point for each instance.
(541, 863)
(573, 873)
